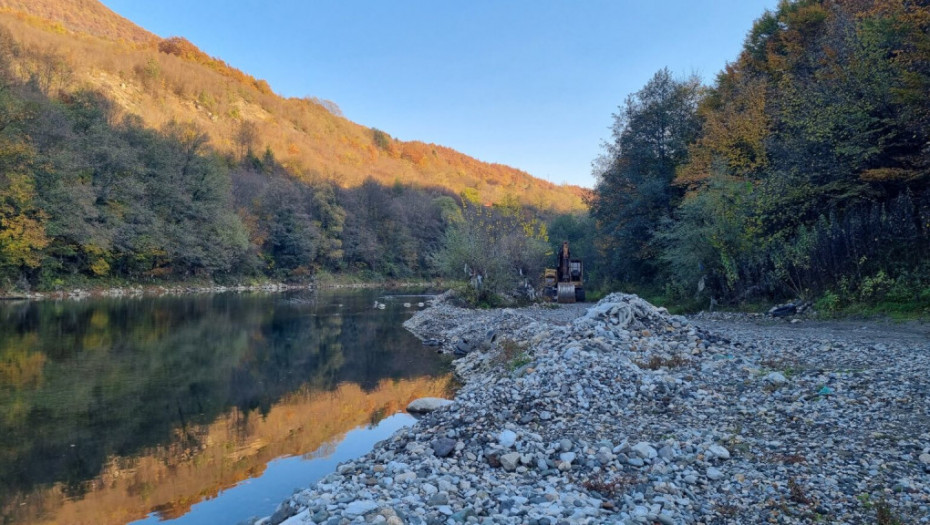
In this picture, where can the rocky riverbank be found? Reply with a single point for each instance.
(625, 414)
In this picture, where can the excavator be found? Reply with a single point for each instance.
(564, 284)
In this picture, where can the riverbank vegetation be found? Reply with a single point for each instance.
(801, 172)
(91, 197)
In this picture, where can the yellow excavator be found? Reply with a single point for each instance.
(565, 283)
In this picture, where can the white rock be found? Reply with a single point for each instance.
(714, 473)
(644, 450)
(427, 404)
(716, 451)
(297, 519)
(776, 378)
(359, 507)
(405, 476)
(510, 461)
(507, 438)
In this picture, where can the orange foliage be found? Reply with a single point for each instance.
(181, 47)
(113, 56)
(80, 16)
(735, 128)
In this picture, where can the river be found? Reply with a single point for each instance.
(197, 409)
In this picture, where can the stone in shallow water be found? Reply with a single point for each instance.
(427, 404)
(283, 512)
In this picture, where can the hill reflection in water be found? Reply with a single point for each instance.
(113, 409)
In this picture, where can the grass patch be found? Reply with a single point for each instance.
(593, 296)
(788, 368)
(789, 459)
(656, 362)
(726, 511)
(896, 311)
(610, 487)
(893, 303)
(512, 355)
(797, 493)
(884, 514)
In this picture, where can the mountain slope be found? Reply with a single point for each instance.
(164, 80)
(82, 16)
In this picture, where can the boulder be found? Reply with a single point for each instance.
(427, 404)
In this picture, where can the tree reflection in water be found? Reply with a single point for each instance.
(110, 409)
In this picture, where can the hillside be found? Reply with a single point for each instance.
(74, 44)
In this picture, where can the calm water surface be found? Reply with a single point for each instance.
(200, 409)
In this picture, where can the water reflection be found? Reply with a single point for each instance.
(113, 409)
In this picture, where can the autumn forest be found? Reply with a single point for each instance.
(800, 171)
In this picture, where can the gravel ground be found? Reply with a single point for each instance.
(625, 414)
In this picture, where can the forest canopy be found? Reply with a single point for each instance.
(801, 172)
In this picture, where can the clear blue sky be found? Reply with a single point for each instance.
(529, 83)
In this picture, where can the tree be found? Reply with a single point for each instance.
(246, 138)
(497, 251)
(22, 221)
(811, 169)
(634, 191)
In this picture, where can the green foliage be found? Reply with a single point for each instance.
(806, 178)
(381, 139)
(512, 355)
(498, 251)
(149, 75)
(706, 247)
(393, 232)
(828, 303)
(470, 196)
(634, 192)
(87, 197)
